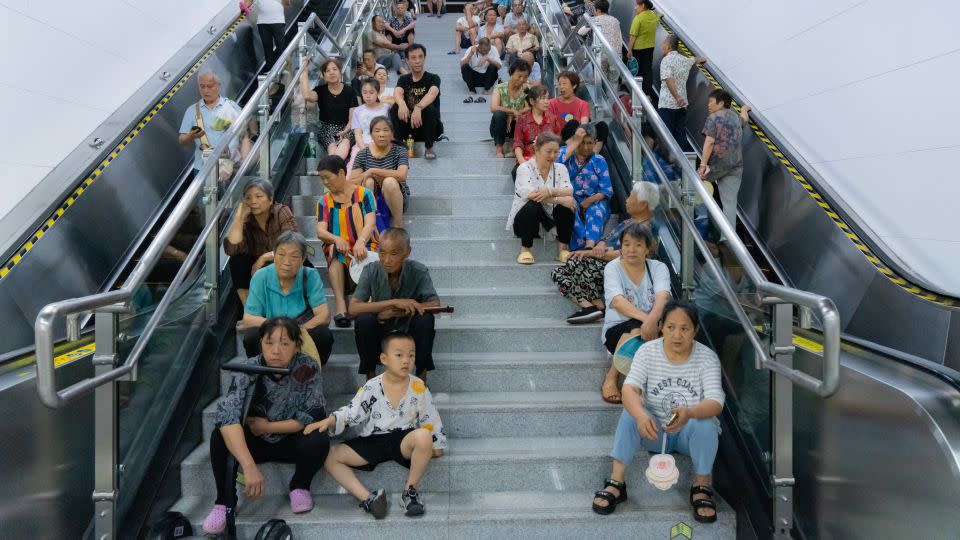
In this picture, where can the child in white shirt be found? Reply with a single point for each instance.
(398, 422)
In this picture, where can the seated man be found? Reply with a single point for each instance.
(400, 28)
(465, 29)
(390, 296)
(365, 70)
(479, 68)
(536, 75)
(417, 97)
(409, 433)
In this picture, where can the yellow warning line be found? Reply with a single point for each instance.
(873, 258)
(74, 354)
(25, 248)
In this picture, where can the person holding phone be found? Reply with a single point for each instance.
(673, 390)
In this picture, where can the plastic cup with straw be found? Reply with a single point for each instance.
(662, 470)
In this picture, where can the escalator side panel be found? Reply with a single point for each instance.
(77, 254)
(879, 458)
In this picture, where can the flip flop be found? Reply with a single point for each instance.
(453, 52)
(480, 100)
(469, 99)
(525, 258)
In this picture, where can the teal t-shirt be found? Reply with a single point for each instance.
(267, 300)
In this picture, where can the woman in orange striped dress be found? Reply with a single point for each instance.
(346, 224)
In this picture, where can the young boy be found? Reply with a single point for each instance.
(398, 422)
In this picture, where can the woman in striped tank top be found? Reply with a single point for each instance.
(346, 224)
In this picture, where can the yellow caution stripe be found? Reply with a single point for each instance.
(25, 248)
(874, 259)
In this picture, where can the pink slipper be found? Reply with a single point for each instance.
(301, 501)
(216, 520)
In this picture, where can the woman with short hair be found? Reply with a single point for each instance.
(256, 225)
(287, 288)
(382, 167)
(673, 392)
(280, 408)
(532, 123)
(508, 102)
(335, 103)
(591, 186)
(543, 197)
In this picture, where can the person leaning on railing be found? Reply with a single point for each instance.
(673, 391)
(256, 226)
(280, 409)
(288, 289)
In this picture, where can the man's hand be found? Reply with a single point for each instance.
(407, 306)
(197, 133)
(389, 313)
(322, 425)
(258, 425)
(403, 113)
(416, 118)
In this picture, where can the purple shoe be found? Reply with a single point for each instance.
(301, 501)
(216, 520)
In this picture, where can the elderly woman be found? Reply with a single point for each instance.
(347, 226)
(656, 406)
(281, 407)
(508, 103)
(249, 242)
(591, 187)
(581, 278)
(542, 196)
(288, 289)
(522, 41)
(382, 167)
(335, 102)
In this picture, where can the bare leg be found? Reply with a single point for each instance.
(598, 304)
(341, 149)
(394, 198)
(499, 148)
(417, 446)
(339, 461)
(617, 475)
(338, 283)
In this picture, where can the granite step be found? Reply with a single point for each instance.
(447, 275)
(488, 206)
(531, 515)
(429, 251)
(511, 303)
(505, 414)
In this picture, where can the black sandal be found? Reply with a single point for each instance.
(341, 320)
(469, 99)
(480, 99)
(612, 500)
(703, 503)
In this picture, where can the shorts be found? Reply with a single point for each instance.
(465, 42)
(377, 449)
(615, 332)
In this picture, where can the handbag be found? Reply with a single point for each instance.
(226, 164)
(383, 213)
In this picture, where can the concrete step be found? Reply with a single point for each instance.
(533, 515)
(505, 414)
(435, 227)
(547, 464)
(425, 205)
(475, 334)
(429, 251)
(452, 275)
(507, 303)
(456, 163)
(428, 182)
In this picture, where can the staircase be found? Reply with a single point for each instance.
(517, 388)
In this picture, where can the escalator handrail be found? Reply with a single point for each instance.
(829, 315)
(117, 300)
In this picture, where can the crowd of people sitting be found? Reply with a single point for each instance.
(610, 271)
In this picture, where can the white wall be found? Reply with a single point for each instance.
(866, 91)
(67, 65)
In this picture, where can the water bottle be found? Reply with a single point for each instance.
(410, 146)
(311, 154)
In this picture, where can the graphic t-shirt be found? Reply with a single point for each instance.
(727, 132)
(565, 112)
(616, 282)
(413, 91)
(667, 386)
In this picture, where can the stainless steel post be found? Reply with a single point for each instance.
(105, 429)
(782, 351)
(264, 116)
(211, 244)
(687, 247)
(636, 137)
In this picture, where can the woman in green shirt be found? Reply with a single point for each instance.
(508, 103)
(643, 36)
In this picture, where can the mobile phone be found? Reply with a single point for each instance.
(195, 129)
(673, 418)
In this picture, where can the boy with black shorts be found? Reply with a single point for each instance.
(397, 421)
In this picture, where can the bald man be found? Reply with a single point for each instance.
(206, 121)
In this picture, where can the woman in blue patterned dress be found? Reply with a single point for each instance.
(591, 187)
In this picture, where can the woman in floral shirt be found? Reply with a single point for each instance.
(591, 187)
(508, 103)
(281, 406)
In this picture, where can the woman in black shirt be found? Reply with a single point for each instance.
(335, 102)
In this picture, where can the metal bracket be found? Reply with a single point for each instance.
(109, 359)
(104, 496)
(783, 482)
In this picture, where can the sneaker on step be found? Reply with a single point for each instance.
(586, 315)
(410, 502)
(216, 520)
(301, 501)
(376, 504)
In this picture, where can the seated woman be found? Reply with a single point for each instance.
(567, 106)
(591, 187)
(288, 289)
(280, 409)
(335, 101)
(635, 289)
(370, 108)
(686, 415)
(465, 29)
(532, 123)
(542, 196)
(386, 92)
(347, 226)
(581, 278)
(249, 242)
(382, 168)
(492, 29)
(508, 103)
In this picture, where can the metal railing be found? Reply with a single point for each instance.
(643, 110)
